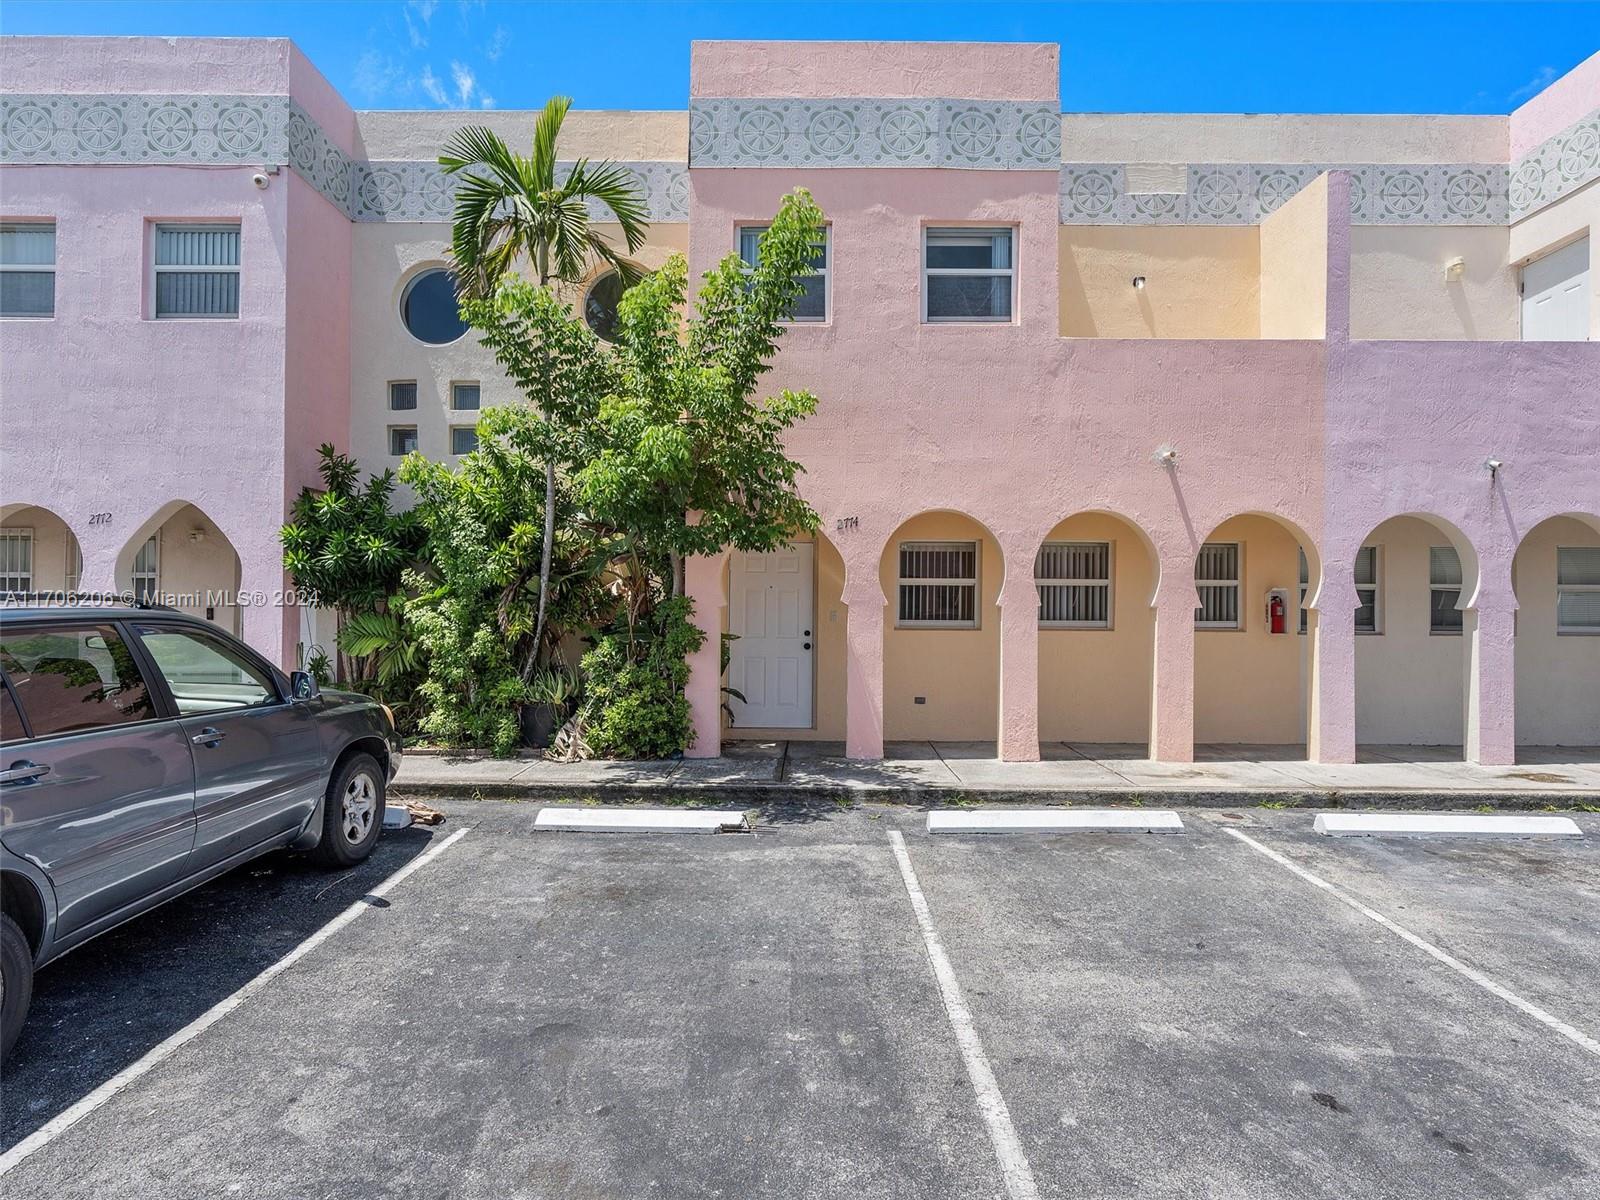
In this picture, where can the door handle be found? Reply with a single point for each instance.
(208, 736)
(23, 772)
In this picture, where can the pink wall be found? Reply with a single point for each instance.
(1572, 96)
(927, 70)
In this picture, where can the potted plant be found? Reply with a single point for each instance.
(550, 694)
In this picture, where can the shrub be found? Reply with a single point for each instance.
(633, 705)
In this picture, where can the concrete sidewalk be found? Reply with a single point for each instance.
(929, 772)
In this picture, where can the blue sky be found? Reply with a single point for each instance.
(1116, 57)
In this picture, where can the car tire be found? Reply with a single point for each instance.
(352, 816)
(16, 982)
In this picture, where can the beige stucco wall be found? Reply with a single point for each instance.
(1249, 684)
(386, 257)
(1398, 288)
(1294, 266)
(627, 136)
(1567, 220)
(1094, 684)
(1200, 281)
(1282, 138)
(828, 652)
(957, 671)
(1408, 681)
(195, 563)
(52, 541)
(1558, 677)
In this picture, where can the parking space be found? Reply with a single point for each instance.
(554, 1015)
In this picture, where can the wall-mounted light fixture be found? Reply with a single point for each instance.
(1166, 455)
(1494, 465)
(1138, 283)
(1455, 269)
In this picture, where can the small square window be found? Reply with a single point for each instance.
(402, 439)
(812, 306)
(464, 397)
(28, 269)
(463, 439)
(967, 275)
(403, 395)
(197, 271)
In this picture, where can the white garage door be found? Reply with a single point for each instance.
(1555, 296)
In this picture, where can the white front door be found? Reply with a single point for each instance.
(769, 661)
(1555, 296)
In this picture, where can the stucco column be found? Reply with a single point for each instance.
(703, 585)
(863, 687)
(1331, 721)
(265, 622)
(99, 564)
(1019, 661)
(1489, 641)
(1172, 690)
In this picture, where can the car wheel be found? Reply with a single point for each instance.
(352, 818)
(16, 982)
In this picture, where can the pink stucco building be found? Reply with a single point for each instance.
(1140, 429)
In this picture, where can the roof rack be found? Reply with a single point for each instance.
(67, 598)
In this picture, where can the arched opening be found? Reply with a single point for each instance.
(941, 572)
(1556, 574)
(1415, 576)
(38, 551)
(1096, 573)
(181, 558)
(1254, 575)
(787, 652)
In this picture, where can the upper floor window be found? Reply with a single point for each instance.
(1444, 587)
(402, 395)
(28, 269)
(463, 439)
(1578, 589)
(464, 397)
(967, 275)
(1217, 579)
(938, 584)
(197, 271)
(429, 309)
(813, 302)
(1074, 582)
(402, 440)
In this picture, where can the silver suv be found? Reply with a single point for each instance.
(144, 752)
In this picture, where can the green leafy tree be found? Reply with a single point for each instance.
(510, 208)
(344, 545)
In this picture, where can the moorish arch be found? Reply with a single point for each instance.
(1556, 577)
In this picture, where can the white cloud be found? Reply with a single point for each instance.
(1542, 79)
(432, 86)
(423, 10)
(485, 100)
(377, 76)
(497, 43)
(465, 83)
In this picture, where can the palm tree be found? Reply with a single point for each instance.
(510, 208)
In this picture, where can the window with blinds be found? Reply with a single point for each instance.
(402, 395)
(28, 269)
(16, 560)
(1074, 582)
(938, 584)
(197, 271)
(1578, 589)
(147, 569)
(1444, 587)
(967, 275)
(813, 302)
(1367, 590)
(1216, 578)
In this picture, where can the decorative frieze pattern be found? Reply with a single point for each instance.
(992, 135)
(260, 131)
(1242, 194)
(1561, 164)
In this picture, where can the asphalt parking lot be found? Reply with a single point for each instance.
(771, 1015)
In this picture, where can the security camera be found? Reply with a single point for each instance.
(260, 180)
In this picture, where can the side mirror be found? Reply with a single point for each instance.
(302, 686)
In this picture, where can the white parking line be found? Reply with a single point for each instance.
(1427, 947)
(1014, 1168)
(66, 1119)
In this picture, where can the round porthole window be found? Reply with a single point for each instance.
(600, 305)
(428, 308)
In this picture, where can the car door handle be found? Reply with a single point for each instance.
(208, 736)
(23, 772)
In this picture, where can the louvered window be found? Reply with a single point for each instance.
(1216, 577)
(1367, 616)
(197, 271)
(1444, 587)
(1074, 582)
(1578, 589)
(939, 584)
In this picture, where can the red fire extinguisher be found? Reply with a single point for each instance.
(1277, 614)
